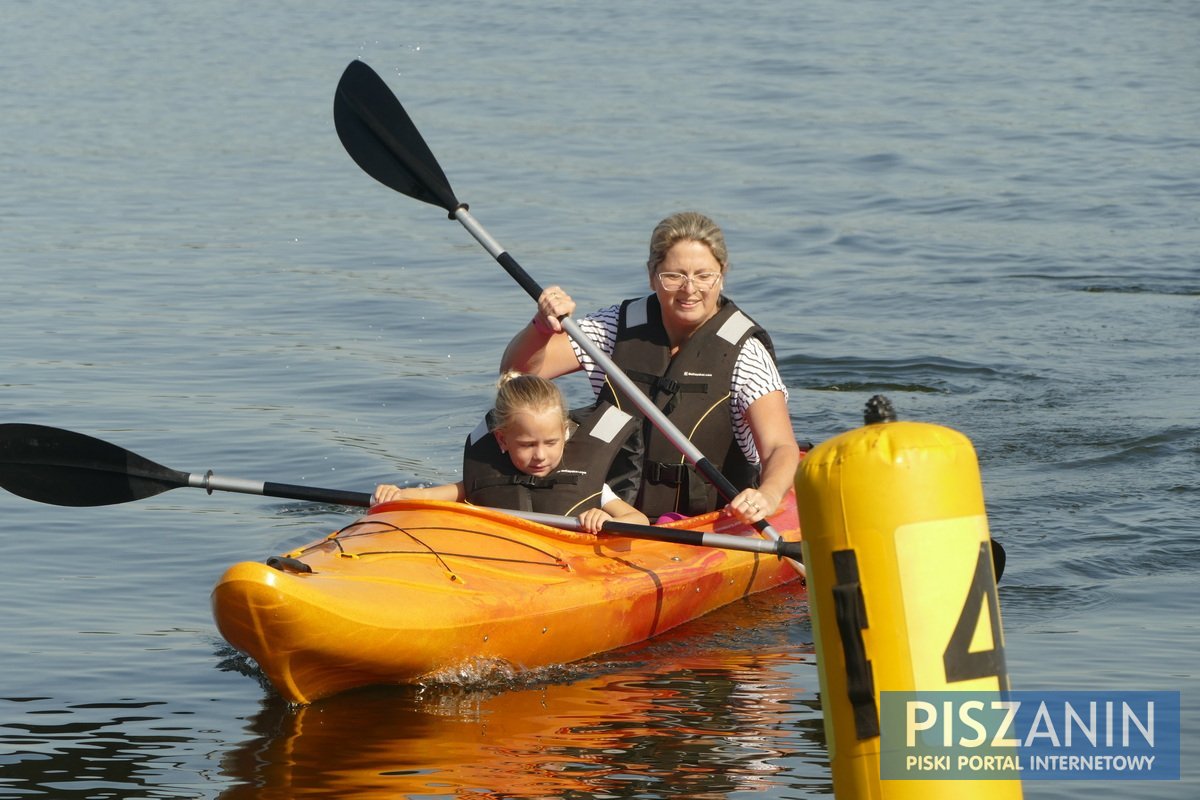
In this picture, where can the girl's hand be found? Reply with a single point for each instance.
(385, 492)
(593, 519)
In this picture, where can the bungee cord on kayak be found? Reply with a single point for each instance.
(339, 536)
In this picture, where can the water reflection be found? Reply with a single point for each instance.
(704, 728)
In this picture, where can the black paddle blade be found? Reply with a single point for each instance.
(379, 136)
(51, 465)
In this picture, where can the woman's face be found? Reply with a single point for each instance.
(534, 440)
(688, 306)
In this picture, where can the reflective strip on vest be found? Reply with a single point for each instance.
(481, 430)
(735, 327)
(610, 424)
(636, 313)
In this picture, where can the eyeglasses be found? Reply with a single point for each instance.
(674, 281)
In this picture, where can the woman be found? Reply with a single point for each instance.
(706, 364)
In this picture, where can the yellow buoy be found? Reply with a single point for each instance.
(901, 588)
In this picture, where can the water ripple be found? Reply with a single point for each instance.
(928, 374)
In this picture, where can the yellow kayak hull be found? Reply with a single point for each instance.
(421, 590)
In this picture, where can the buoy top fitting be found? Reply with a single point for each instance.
(879, 409)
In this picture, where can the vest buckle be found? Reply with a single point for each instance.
(668, 474)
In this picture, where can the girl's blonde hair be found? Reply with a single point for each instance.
(516, 392)
(686, 226)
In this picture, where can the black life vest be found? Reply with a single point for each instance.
(692, 390)
(490, 479)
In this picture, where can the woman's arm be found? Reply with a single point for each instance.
(536, 353)
(541, 348)
(772, 429)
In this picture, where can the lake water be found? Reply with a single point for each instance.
(989, 212)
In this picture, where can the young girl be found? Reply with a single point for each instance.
(528, 455)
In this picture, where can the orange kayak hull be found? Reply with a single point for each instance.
(419, 590)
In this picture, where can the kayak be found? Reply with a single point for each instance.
(428, 591)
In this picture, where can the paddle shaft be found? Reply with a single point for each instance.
(61, 467)
(724, 541)
(214, 483)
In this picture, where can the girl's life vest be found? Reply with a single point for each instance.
(490, 479)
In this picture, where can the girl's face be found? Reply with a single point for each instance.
(534, 440)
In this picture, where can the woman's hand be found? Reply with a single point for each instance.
(751, 505)
(553, 304)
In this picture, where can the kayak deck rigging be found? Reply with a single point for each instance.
(370, 528)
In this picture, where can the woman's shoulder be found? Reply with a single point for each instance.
(603, 324)
(755, 373)
(756, 358)
(605, 314)
(754, 349)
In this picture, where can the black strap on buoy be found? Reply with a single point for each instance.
(851, 613)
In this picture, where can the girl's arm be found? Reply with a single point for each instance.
(450, 492)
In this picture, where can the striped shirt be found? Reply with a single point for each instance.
(754, 373)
